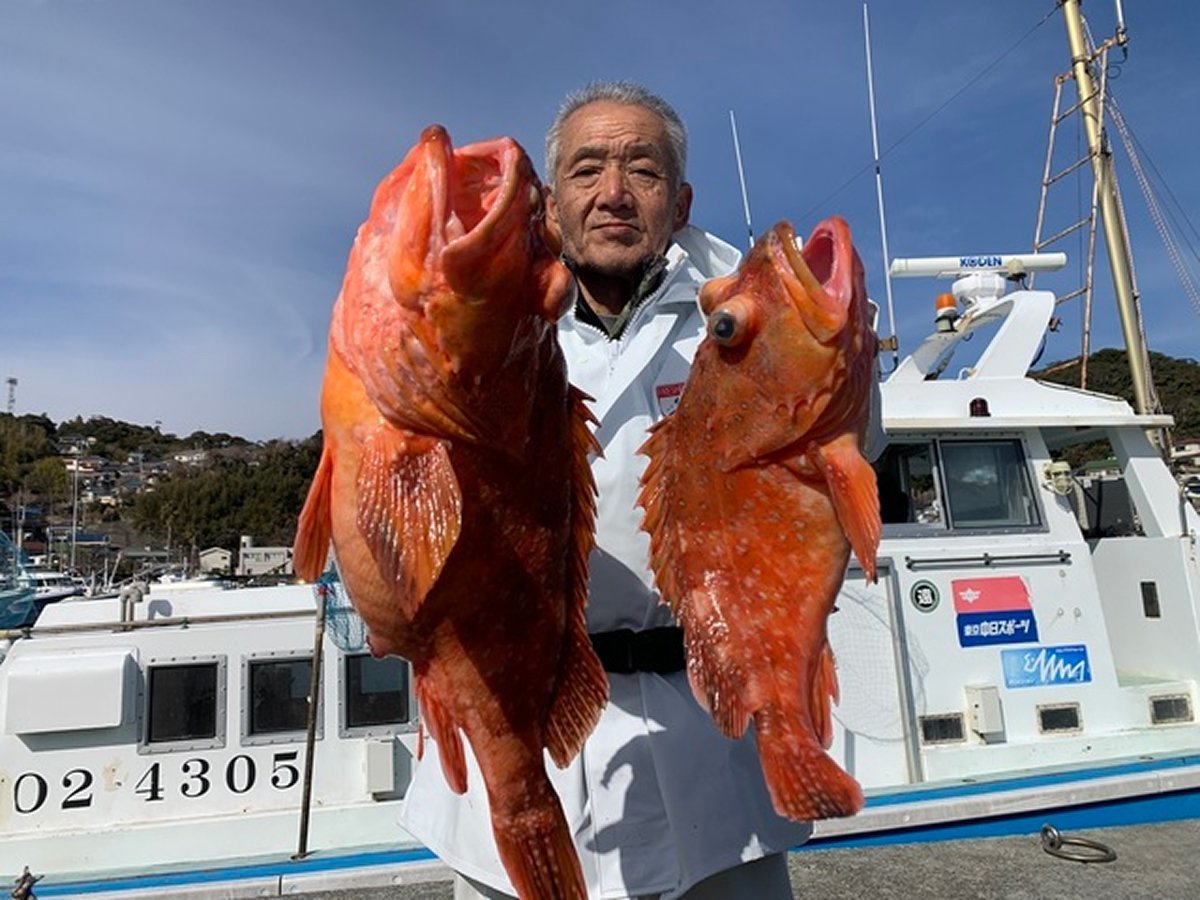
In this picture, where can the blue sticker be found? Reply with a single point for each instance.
(1039, 666)
(1016, 626)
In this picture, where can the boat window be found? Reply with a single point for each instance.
(278, 701)
(377, 693)
(184, 703)
(908, 489)
(987, 484)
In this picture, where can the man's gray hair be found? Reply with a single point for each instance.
(630, 94)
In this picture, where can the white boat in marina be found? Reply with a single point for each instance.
(1030, 653)
(16, 591)
(51, 586)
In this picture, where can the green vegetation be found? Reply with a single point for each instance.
(150, 500)
(260, 496)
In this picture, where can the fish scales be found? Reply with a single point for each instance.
(454, 482)
(755, 493)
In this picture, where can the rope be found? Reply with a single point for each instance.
(1168, 239)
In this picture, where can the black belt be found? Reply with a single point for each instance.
(653, 650)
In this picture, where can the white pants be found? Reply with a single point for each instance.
(762, 879)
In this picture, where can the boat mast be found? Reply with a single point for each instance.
(1114, 236)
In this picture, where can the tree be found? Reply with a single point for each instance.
(48, 480)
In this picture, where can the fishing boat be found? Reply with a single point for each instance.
(1029, 653)
(16, 589)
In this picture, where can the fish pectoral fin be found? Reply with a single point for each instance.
(582, 688)
(855, 496)
(409, 510)
(315, 528)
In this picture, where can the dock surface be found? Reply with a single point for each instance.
(1153, 861)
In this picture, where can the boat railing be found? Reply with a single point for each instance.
(163, 622)
(1059, 557)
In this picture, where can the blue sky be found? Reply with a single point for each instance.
(182, 179)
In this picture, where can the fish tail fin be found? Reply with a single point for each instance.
(582, 688)
(442, 728)
(538, 854)
(855, 495)
(315, 528)
(805, 783)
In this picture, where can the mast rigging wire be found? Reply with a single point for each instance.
(925, 121)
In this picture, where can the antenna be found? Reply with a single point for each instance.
(887, 276)
(737, 152)
(12, 396)
(1121, 36)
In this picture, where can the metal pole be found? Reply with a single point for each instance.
(1114, 239)
(737, 152)
(314, 693)
(74, 507)
(887, 274)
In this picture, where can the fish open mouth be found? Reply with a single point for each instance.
(823, 286)
(458, 209)
(474, 189)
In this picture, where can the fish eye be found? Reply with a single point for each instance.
(724, 326)
(732, 322)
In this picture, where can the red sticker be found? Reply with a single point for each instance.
(1000, 594)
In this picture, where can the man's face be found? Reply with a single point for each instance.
(612, 195)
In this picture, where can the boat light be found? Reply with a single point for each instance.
(979, 407)
(946, 312)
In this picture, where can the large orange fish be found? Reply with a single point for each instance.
(756, 491)
(455, 486)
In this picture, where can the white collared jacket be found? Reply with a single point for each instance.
(658, 799)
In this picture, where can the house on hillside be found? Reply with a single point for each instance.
(254, 560)
(195, 457)
(216, 560)
(1185, 454)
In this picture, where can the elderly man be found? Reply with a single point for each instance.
(662, 805)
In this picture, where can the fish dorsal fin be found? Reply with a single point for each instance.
(855, 496)
(657, 520)
(582, 688)
(315, 528)
(409, 510)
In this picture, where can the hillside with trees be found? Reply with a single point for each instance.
(1177, 382)
(145, 488)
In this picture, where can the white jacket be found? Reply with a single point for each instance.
(659, 799)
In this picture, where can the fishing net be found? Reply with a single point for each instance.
(860, 633)
(343, 624)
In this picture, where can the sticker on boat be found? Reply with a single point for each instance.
(993, 610)
(1040, 666)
